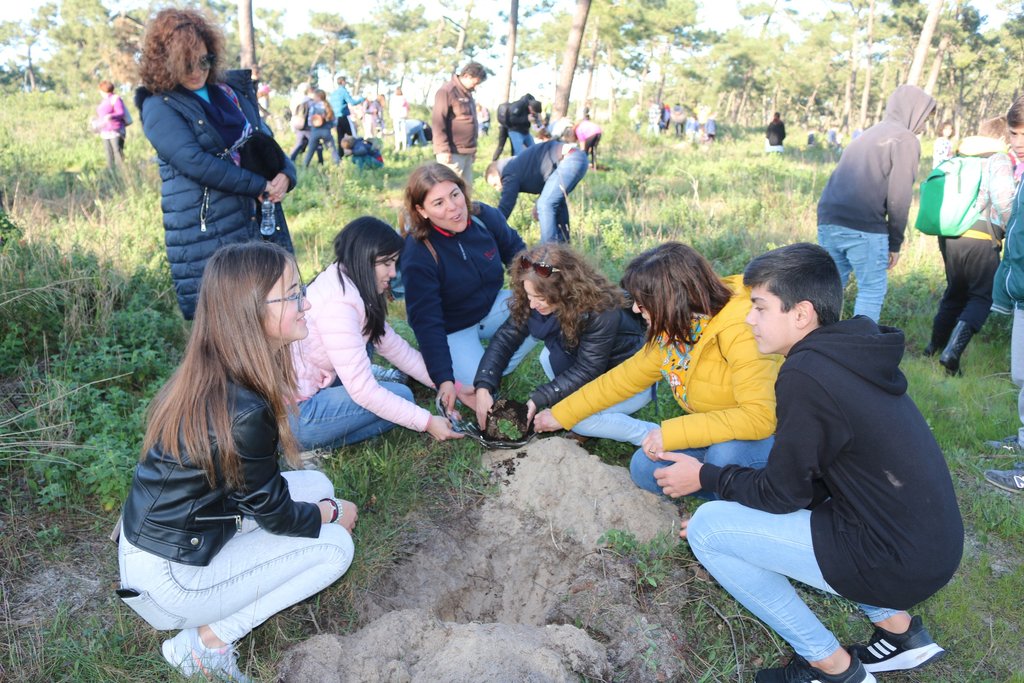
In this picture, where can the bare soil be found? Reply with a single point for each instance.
(504, 417)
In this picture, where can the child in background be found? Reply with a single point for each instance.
(943, 145)
(362, 152)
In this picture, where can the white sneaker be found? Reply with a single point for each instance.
(186, 653)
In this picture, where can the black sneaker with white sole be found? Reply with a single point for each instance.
(799, 670)
(898, 651)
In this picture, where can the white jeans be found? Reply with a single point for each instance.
(254, 576)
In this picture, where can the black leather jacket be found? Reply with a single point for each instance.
(172, 512)
(607, 339)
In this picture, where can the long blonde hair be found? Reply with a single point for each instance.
(228, 344)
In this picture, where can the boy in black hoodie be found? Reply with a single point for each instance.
(856, 498)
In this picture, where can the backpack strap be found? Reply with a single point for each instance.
(430, 248)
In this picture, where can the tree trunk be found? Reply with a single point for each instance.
(510, 51)
(866, 93)
(246, 34)
(924, 42)
(569, 59)
(885, 91)
(851, 84)
(940, 53)
(591, 69)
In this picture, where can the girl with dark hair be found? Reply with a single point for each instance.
(340, 400)
(698, 341)
(560, 299)
(215, 539)
(198, 119)
(453, 265)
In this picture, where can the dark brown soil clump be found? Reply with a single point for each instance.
(506, 421)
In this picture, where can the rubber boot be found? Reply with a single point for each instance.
(950, 358)
(941, 331)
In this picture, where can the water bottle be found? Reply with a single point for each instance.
(268, 226)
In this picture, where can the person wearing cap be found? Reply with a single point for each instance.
(454, 121)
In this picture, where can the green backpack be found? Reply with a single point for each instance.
(949, 197)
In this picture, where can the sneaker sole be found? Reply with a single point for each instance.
(185, 667)
(1011, 489)
(911, 659)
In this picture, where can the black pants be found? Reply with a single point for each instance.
(502, 138)
(590, 147)
(344, 128)
(970, 267)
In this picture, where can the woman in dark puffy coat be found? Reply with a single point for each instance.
(560, 299)
(197, 118)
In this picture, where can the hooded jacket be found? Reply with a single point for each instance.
(852, 446)
(872, 186)
(1008, 283)
(207, 201)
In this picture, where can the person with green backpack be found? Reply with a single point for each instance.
(966, 201)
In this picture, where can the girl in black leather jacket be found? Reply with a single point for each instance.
(582, 318)
(215, 539)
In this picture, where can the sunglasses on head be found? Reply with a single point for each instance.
(539, 267)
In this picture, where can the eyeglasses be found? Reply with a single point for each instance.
(539, 267)
(298, 298)
(205, 63)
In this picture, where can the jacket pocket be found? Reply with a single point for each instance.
(153, 614)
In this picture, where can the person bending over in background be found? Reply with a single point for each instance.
(856, 498)
(560, 299)
(215, 539)
(698, 342)
(340, 400)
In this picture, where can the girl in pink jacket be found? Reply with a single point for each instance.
(340, 400)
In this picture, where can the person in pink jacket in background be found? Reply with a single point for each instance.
(110, 122)
(340, 402)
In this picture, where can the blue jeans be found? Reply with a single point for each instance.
(324, 136)
(330, 418)
(465, 348)
(553, 204)
(745, 453)
(611, 423)
(520, 141)
(414, 134)
(753, 554)
(866, 254)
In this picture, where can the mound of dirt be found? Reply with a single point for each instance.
(499, 591)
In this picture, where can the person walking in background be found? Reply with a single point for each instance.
(299, 110)
(453, 121)
(971, 260)
(678, 118)
(399, 112)
(111, 119)
(775, 133)
(197, 118)
(214, 538)
(653, 119)
(582, 319)
(321, 123)
(856, 498)
(1008, 299)
(483, 120)
(943, 148)
(341, 101)
(862, 213)
(551, 170)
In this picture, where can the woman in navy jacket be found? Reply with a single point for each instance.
(197, 117)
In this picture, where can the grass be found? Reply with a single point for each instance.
(89, 329)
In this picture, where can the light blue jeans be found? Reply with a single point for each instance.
(753, 554)
(324, 136)
(615, 422)
(253, 577)
(330, 418)
(866, 254)
(744, 453)
(520, 141)
(466, 350)
(553, 203)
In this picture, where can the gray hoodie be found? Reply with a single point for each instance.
(872, 186)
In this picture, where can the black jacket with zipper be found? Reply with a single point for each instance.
(173, 512)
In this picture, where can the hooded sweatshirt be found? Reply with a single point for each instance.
(872, 186)
(852, 446)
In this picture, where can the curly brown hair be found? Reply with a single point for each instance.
(421, 181)
(574, 290)
(674, 283)
(175, 39)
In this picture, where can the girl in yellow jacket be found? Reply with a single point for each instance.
(698, 342)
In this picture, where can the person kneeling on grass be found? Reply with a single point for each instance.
(560, 299)
(214, 538)
(696, 340)
(856, 498)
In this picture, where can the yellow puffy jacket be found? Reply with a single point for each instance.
(730, 384)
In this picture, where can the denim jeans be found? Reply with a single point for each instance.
(866, 254)
(324, 136)
(414, 134)
(330, 418)
(615, 422)
(745, 453)
(466, 350)
(520, 141)
(253, 577)
(753, 554)
(553, 204)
